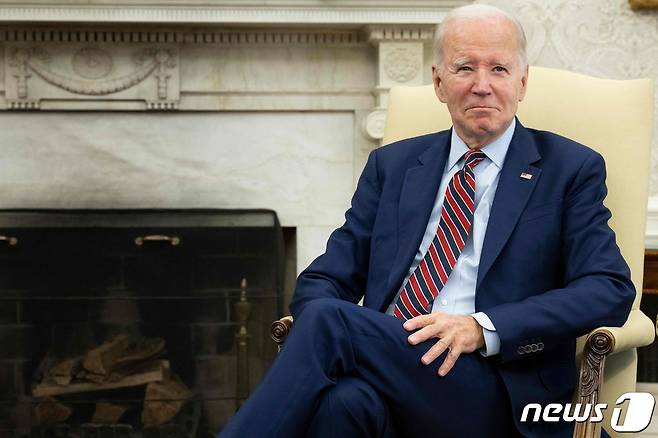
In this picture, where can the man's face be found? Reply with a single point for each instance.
(481, 81)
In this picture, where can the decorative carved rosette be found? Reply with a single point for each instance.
(401, 64)
(374, 124)
(92, 63)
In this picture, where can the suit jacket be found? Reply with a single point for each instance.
(550, 269)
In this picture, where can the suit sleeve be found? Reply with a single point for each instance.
(597, 287)
(341, 272)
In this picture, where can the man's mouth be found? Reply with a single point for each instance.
(481, 107)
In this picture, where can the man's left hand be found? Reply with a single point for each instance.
(456, 333)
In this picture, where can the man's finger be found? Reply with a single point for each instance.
(449, 361)
(435, 351)
(427, 332)
(418, 322)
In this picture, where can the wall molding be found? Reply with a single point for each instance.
(378, 33)
(229, 37)
(226, 36)
(224, 12)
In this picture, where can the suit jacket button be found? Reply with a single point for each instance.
(520, 351)
(527, 349)
(540, 346)
(534, 348)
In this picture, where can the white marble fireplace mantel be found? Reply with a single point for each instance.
(203, 104)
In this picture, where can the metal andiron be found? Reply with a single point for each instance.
(242, 309)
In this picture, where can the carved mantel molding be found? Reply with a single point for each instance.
(182, 35)
(48, 45)
(100, 73)
(393, 32)
(43, 63)
(280, 12)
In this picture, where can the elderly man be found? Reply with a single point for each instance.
(476, 248)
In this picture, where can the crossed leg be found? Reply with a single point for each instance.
(351, 408)
(333, 340)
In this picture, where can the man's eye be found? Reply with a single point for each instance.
(464, 68)
(500, 69)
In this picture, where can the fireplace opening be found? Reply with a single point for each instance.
(131, 323)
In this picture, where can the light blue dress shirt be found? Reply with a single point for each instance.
(458, 295)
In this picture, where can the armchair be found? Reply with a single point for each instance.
(615, 118)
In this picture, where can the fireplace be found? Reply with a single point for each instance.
(163, 284)
(167, 105)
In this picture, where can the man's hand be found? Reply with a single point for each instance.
(457, 333)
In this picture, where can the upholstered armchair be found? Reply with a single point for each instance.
(613, 117)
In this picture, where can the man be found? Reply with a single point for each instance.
(478, 250)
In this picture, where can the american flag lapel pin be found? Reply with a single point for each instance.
(526, 175)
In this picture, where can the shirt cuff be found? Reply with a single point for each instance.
(491, 338)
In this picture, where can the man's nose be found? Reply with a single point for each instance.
(482, 83)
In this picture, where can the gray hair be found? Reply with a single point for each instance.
(476, 12)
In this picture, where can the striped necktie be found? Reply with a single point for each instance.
(454, 227)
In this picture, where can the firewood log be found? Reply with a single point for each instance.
(108, 413)
(64, 371)
(172, 394)
(49, 411)
(150, 372)
(121, 352)
(100, 359)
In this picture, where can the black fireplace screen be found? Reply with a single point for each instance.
(123, 323)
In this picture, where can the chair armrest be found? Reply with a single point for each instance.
(279, 330)
(638, 331)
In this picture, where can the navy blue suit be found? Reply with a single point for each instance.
(550, 271)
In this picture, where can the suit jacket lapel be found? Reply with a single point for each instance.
(512, 195)
(417, 197)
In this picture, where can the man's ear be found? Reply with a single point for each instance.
(524, 83)
(438, 84)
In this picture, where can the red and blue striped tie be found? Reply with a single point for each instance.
(454, 227)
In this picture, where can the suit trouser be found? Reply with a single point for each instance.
(334, 340)
(352, 408)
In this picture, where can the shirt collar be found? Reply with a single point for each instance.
(495, 150)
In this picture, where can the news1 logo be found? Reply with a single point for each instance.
(638, 413)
